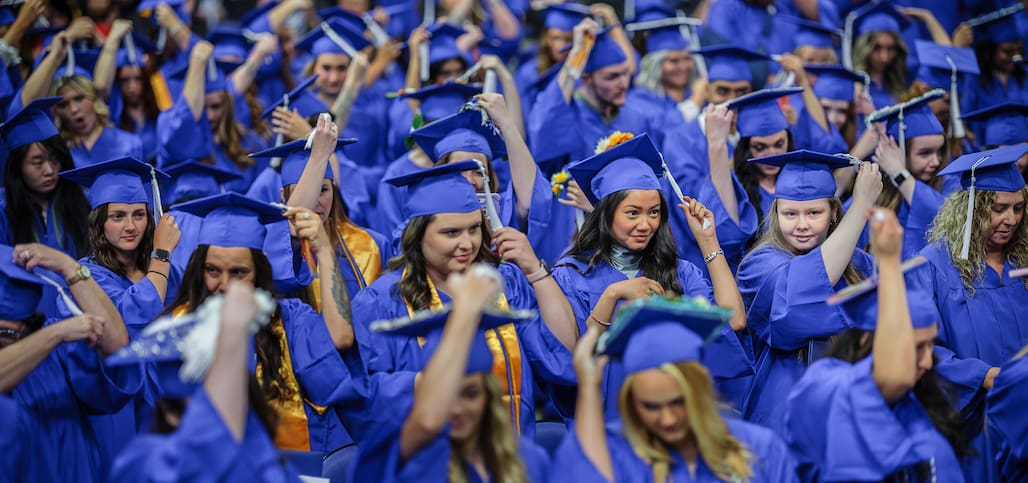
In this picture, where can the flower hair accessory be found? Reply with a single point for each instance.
(617, 137)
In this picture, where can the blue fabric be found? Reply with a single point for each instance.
(785, 298)
(389, 205)
(841, 429)
(752, 26)
(177, 124)
(542, 355)
(771, 459)
(113, 143)
(1008, 425)
(203, 450)
(21, 445)
(916, 219)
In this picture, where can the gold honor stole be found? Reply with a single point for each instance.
(506, 354)
(292, 432)
(363, 254)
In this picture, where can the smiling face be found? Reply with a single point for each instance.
(469, 408)
(675, 69)
(804, 224)
(1006, 216)
(659, 404)
(451, 242)
(125, 226)
(76, 111)
(39, 170)
(223, 265)
(924, 156)
(636, 219)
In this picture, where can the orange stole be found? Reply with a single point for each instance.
(502, 362)
(365, 256)
(162, 95)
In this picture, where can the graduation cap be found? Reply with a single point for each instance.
(564, 16)
(1004, 124)
(22, 289)
(442, 44)
(118, 180)
(192, 179)
(31, 124)
(812, 34)
(860, 303)
(759, 113)
(441, 100)
(333, 37)
(606, 52)
(77, 63)
(835, 81)
(355, 22)
(463, 131)
(805, 175)
(665, 33)
(872, 17)
(294, 156)
(440, 189)
(304, 101)
(997, 26)
(216, 78)
(256, 20)
(648, 10)
(942, 67)
(229, 43)
(992, 170)
(430, 323)
(648, 333)
(729, 63)
(912, 118)
(232, 220)
(633, 164)
(134, 48)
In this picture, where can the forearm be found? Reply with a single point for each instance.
(243, 77)
(726, 291)
(227, 380)
(837, 250)
(566, 79)
(38, 83)
(376, 69)
(721, 177)
(335, 301)
(603, 311)
(193, 89)
(157, 273)
(93, 300)
(618, 34)
(590, 429)
(522, 168)
(938, 33)
(507, 25)
(343, 104)
(18, 360)
(556, 312)
(894, 360)
(277, 16)
(812, 104)
(308, 188)
(808, 8)
(512, 99)
(103, 73)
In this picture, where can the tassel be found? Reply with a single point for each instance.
(429, 13)
(130, 49)
(69, 66)
(280, 138)
(158, 206)
(339, 41)
(490, 209)
(902, 133)
(678, 189)
(68, 301)
(966, 238)
(423, 64)
(162, 39)
(847, 41)
(956, 125)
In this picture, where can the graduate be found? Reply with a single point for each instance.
(669, 427)
(844, 100)
(1006, 418)
(807, 253)
(814, 42)
(667, 74)
(124, 79)
(759, 28)
(979, 303)
(83, 120)
(873, 409)
(191, 179)
(22, 443)
(219, 428)
(456, 427)
(446, 232)
(56, 364)
(997, 45)
(947, 68)
(1001, 125)
(299, 367)
(879, 50)
(558, 22)
(625, 250)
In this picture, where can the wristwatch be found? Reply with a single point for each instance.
(81, 273)
(161, 255)
(900, 177)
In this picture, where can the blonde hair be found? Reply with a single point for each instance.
(496, 441)
(86, 87)
(774, 237)
(651, 72)
(727, 457)
(948, 227)
(895, 75)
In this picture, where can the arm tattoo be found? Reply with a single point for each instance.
(340, 296)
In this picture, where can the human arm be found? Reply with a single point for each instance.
(837, 250)
(719, 124)
(616, 32)
(38, 83)
(308, 188)
(165, 237)
(243, 77)
(343, 103)
(417, 37)
(228, 377)
(890, 161)
(511, 94)
(937, 31)
(19, 359)
(631, 289)
(726, 292)
(194, 88)
(277, 15)
(506, 24)
(963, 36)
(30, 11)
(808, 9)
(589, 418)
(577, 57)
(384, 57)
(522, 164)
(893, 352)
(177, 30)
(793, 64)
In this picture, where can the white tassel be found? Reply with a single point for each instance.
(68, 301)
(423, 64)
(280, 138)
(162, 39)
(847, 41)
(212, 70)
(428, 17)
(69, 66)
(130, 49)
(956, 125)
(966, 238)
(678, 189)
(490, 209)
(338, 40)
(155, 188)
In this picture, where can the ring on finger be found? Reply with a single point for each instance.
(307, 215)
(26, 254)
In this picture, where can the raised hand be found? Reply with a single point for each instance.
(87, 327)
(513, 246)
(307, 225)
(166, 234)
(588, 366)
(573, 196)
(886, 233)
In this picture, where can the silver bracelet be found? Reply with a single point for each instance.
(712, 255)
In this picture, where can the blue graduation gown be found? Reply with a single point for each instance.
(1008, 424)
(113, 143)
(685, 151)
(22, 447)
(771, 460)
(753, 26)
(203, 450)
(181, 137)
(389, 210)
(145, 131)
(542, 354)
(915, 218)
(67, 385)
(841, 429)
(785, 310)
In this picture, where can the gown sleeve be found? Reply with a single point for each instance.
(552, 124)
(1008, 421)
(772, 460)
(732, 236)
(550, 360)
(319, 367)
(177, 125)
(100, 389)
(139, 303)
(22, 444)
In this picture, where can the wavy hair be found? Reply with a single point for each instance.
(895, 75)
(496, 441)
(105, 253)
(727, 457)
(594, 243)
(229, 134)
(948, 227)
(148, 100)
(84, 86)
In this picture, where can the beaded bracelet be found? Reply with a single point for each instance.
(710, 257)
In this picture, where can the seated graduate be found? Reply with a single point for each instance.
(668, 79)
(669, 427)
(299, 367)
(873, 409)
(446, 233)
(559, 20)
(214, 423)
(456, 426)
(950, 69)
(1006, 402)
(843, 98)
(190, 179)
(807, 253)
(53, 368)
(625, 250)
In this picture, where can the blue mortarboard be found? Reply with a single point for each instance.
(918, 119)
(805, 175)
(193, 179)
(162, 350)
(348, 18)
(443, 42)
(7, 16)
(936, 70)
(1002, 28)
(649, 11)
(462, 131)
(177, 5)
(318, 41)
(31, 124)
(729, 63)
(834, 82)
(1004, 124)
(256, 20)
(85, 63)
(118, 180)
(440, 189)
(215, 83)
(606, 52)
(430, 323)
(812, 34)
(294, 158)
(632, 165)
(441, 100)
(142, 46)
(648, 333)
(663, 34)
(759, 113)
(861, 306)
(879, 17)
(229, 43)
(992, 170)
(232, 220)
(564, 16)
(304, 101)
(22, 289)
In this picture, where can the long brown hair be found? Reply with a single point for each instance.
(148, 99)
(890, 196)
(773, 237)
(954, 147)
(895, 75)
(413, 285)
(105, 253)
(229, 134)
(726, 456)
(496, 441)
(337, 214)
